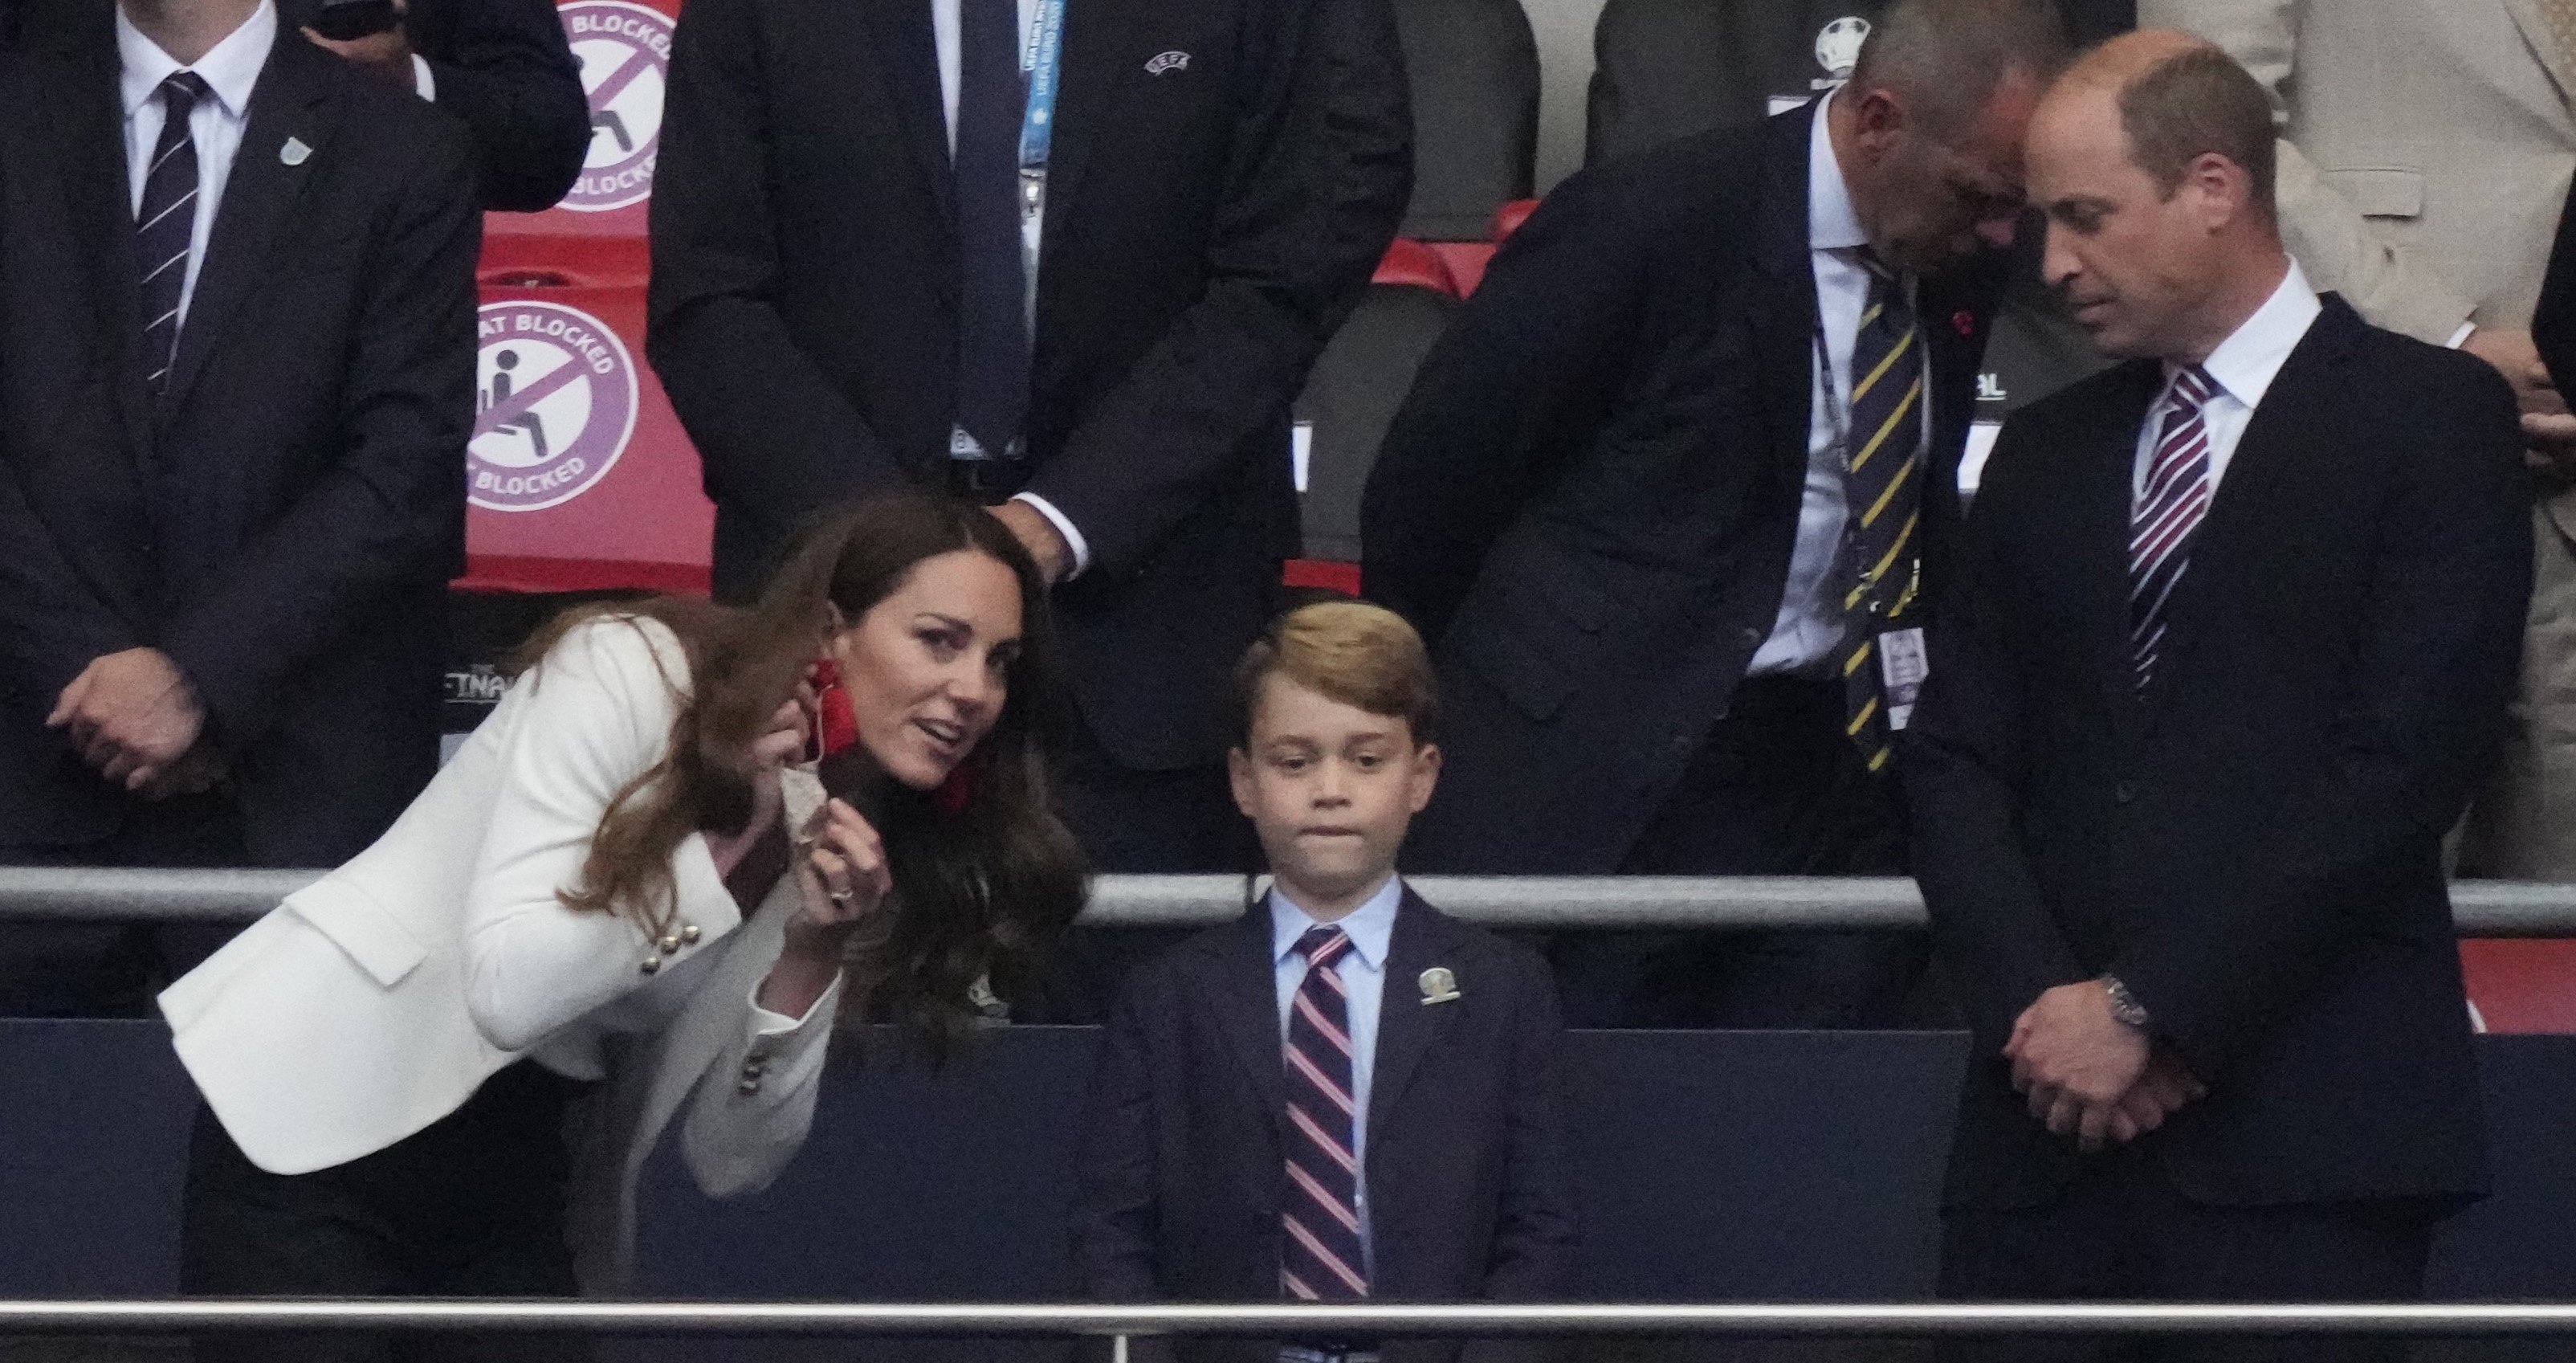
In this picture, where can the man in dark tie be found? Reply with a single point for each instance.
(1072, 258)
(236, 380)
(1671, 500)
(2235, 626)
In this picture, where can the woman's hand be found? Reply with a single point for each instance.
(782, 741)
(844, 878)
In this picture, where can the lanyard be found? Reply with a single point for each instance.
(1041, 60)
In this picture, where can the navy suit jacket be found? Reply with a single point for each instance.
(1224, 176)
(1182, 1169)
(2254, 846)
(282, 520)
(1589, 501)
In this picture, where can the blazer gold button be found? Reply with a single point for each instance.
(670, 943)
(651, 964)
(689, 932)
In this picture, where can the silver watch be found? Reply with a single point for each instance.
(2124, 1007)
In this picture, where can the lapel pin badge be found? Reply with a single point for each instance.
(1439, 986)
(294, 152)
(1168, 61)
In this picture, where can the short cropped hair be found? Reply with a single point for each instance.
(1945, 57)
(2195, 102)
(1362, 655)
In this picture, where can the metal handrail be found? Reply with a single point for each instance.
(2481, 908)
(189, 1315)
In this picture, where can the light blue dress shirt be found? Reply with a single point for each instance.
(1363, 972)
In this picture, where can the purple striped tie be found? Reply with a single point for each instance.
(1320, 1257)
(2167, 511)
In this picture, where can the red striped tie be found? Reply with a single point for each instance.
(2167, 510)
(1320, 1254)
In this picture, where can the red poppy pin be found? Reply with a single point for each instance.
(1964, 322)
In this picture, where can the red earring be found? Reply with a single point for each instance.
(835, 728)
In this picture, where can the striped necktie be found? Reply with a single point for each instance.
(2167, 510)
(1882, 486)
(166, 225)
(1320, 1255)
(993, 318)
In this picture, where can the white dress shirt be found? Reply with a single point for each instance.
(1810, 624)
(2242, 369)
(944, 31)
(230, 69)
(1371, 927)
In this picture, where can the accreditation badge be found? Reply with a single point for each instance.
(1902, 666)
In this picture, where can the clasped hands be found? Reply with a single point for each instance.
(133, 716)
(2090, 1075)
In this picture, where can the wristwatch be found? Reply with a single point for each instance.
(2124, 1007)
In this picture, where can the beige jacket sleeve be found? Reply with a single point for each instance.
(2333, 242)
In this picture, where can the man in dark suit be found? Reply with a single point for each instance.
(845, 276)
(1344, 1096)
(236, 382)
(1672, 495)
(503, 69)
(2235, 627)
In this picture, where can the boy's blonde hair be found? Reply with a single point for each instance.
(1361, 655)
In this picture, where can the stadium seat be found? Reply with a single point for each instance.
(1467, 259)
(2518, 985)
(1353, 392)
(624, 49)
(1473, 65)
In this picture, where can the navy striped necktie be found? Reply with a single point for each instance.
(165, 226)
(1320, 1252)
(992, 321)
(2166, 513)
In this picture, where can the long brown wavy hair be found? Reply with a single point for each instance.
(979, 893)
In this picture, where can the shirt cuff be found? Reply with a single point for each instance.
(422, 82)
(765, 1023)
(1072, 538)
(2461, 336)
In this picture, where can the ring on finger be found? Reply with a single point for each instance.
(844, 895)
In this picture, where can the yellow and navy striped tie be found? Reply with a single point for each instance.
(1882, 482)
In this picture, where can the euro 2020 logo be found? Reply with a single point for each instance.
(554, 405)
(625, 56)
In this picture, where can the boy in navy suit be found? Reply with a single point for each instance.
(1343, 1096)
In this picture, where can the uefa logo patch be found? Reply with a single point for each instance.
(554, 405)
(625, 56)
(1838, 46)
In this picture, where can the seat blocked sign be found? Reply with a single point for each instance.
(554, 406)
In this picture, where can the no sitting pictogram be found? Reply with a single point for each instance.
(625, 56)
(554, 405)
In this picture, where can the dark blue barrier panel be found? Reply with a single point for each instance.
(1714, 1166)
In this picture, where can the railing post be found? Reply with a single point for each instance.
(1118, 1349)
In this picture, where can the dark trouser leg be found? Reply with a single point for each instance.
(473, 1205)
(112, 969)
(1774, 790)
(2122, 1232)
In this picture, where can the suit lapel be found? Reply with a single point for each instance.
(2228, 544)
(291, 101)
(1244, 991)
(1407, 1026)
(87, 120)
(907, 56)
(2099, 515)
(2543, 41)
(1785, 264)
(1094, 81)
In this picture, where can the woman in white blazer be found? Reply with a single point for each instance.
(626, 901)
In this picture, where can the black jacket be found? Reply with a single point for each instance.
(2255, 846)
(1589, 501)
(283, 519)
(504, 70)
(1209, 222)
(1470, 1187)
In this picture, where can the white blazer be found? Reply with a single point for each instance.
(377, 1000)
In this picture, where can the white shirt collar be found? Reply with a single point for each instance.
(1370, 927)
(229, 69)
(2244, 365)
(1832, 223)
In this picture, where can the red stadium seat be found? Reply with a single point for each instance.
(2520, 985)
